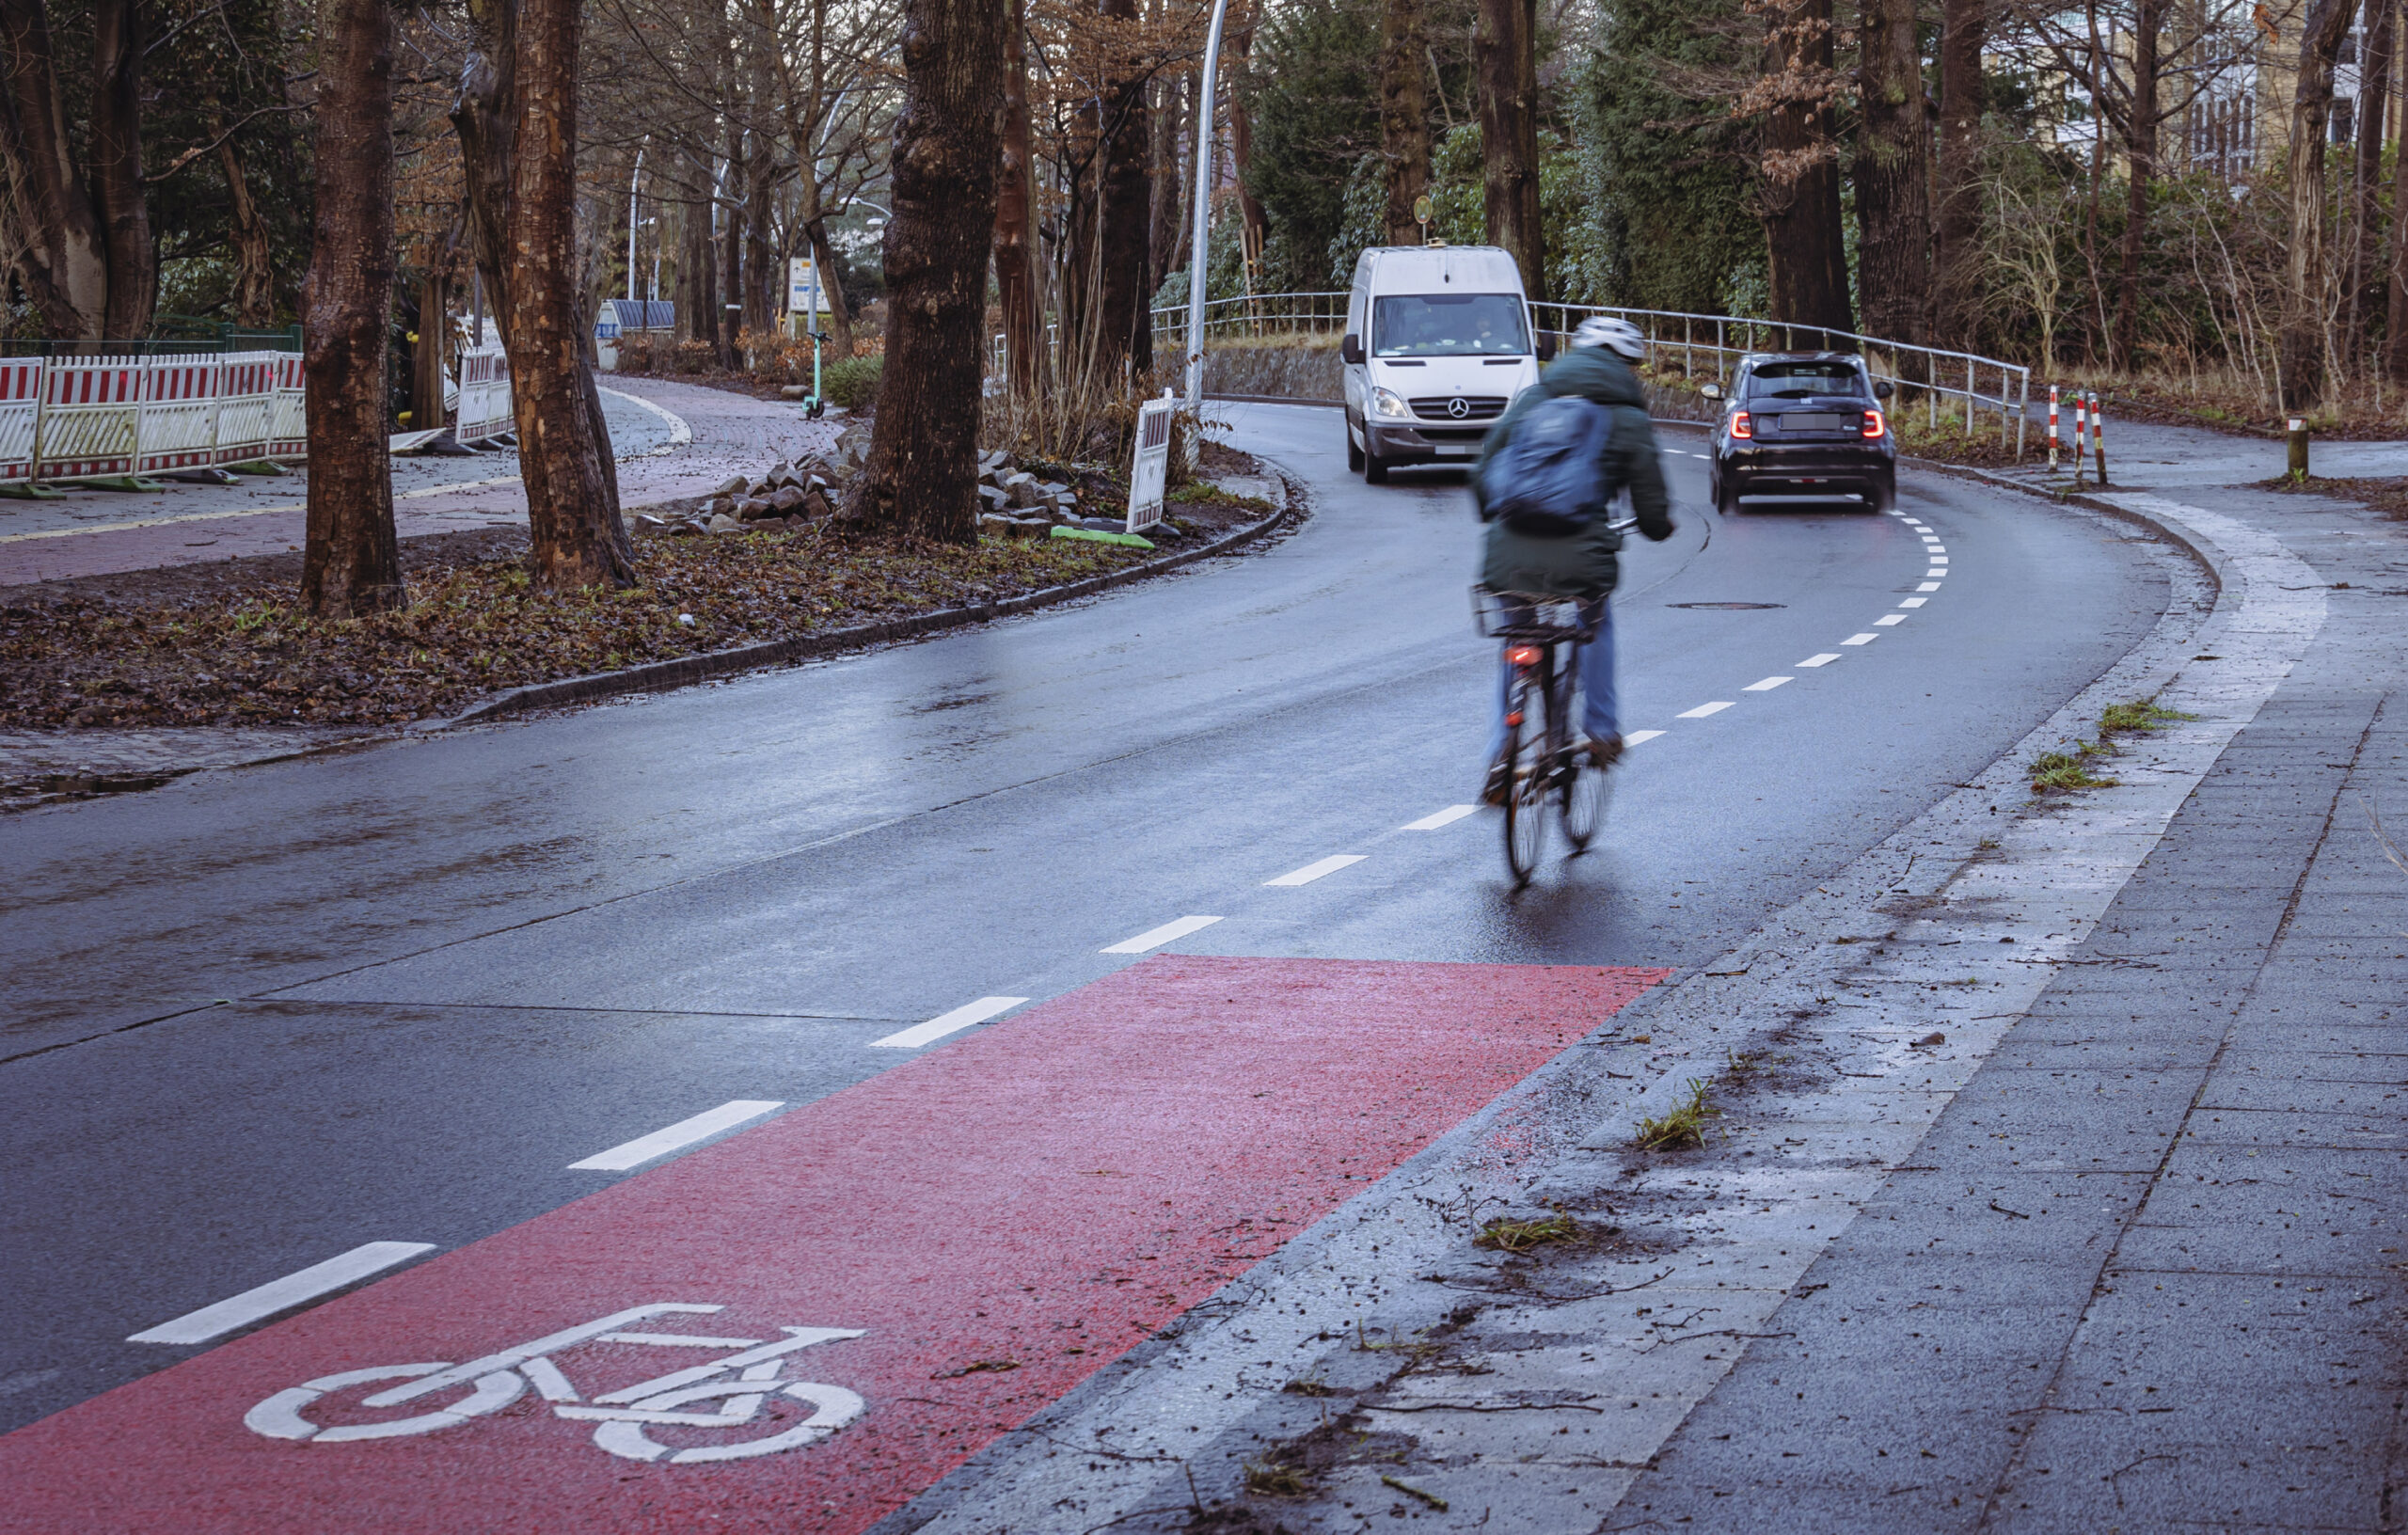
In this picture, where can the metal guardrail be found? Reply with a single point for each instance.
(1717, 342)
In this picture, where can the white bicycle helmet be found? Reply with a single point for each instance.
(1619, 337)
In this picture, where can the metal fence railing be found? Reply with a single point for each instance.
(1702, 346)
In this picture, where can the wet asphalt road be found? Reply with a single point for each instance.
(255, 1019)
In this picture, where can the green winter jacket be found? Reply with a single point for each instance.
(1584, 564)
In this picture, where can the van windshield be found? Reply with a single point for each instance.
(1447, 326)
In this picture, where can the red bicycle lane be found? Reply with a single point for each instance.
(996, 1220)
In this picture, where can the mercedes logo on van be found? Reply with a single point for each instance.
(1459, 407)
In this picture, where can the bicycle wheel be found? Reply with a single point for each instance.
(1583, 792)
(1525, 749)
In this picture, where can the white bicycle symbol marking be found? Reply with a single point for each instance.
(620, 1416)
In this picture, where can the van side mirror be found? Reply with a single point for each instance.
(1711, 391)
(1349, 351)
(1546, 347)
(1882, 388)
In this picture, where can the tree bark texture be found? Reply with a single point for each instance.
(1015, 204)
(698, 269)
(253, 253)
(1505, 58)
(351, 563)
(2374, 114)
(485, 117)
(63, 261)
(1956, 222)
(577, 539)
(921, 477)
(1126, 215)
(760, 269)
(1893, 177)
(117, 169)
(2394, 272)
(2141, 123)
(1404, 117)
(427, 370)
(2301, 351)
(1258, 222)
(1806, 247)
(1161, 183)
(731, 299)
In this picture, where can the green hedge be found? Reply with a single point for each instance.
(852, 383)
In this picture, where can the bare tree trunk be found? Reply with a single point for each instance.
(732, 295)
(1504, 56)
(2302, 349)
(2395, 266)
(116, 167)
(485, 118)
(577, 539)
(1126, 215)
(2140, 152)
(1162, 183)
(698, 269)
(427, 374)
(63, 261)
(1957, 219)
(351, 562)
(921, 477)
(1258, 222)
(1015, 201)
(759, 270)
(254, 253)
(1404, 117)
(2374, 113)
(1892, 176)
(1804, 242)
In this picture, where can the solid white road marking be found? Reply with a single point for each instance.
(683, 1133)
(1888, 618)
(1931, 586)
(1826, 658)
(1914, 602)
(944, 1023)
(1765, 687)
(1154, 938)
(1448, 817)
(1636, 737)
(1314, 870)
(1702, 710)
(1859, 638)
(282, 1294)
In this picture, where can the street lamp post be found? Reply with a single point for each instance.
(1195, 274)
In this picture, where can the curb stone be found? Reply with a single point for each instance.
(661, 677)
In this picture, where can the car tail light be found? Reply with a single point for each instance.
(1873, 423)
(1740, 425)
(1523, 655)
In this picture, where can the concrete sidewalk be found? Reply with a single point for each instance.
(672, 439)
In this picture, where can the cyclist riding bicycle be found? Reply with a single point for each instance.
(1582, 564)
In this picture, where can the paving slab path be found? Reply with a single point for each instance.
(673, 441)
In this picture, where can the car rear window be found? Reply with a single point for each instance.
(1801, 380)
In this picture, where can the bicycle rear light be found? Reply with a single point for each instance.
(1523, 655)
(1740, 426)
(1872, 424)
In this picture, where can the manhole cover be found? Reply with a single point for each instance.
(1725, 606)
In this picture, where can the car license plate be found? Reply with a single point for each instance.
(1811, 422)
(1455, 450)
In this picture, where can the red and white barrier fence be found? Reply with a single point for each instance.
(94, 418)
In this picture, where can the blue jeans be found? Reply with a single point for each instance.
(1598, 716)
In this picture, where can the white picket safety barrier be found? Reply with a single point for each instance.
(91, 415)
(246, 406)
(288, 428)
(484, 395)
(19, 411)
(175, 424)
(1149, 466)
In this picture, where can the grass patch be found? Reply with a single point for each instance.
(1506, 1236)
(2060, 772)
(1684, 1126)
(2138, 718)
(1277, 1480)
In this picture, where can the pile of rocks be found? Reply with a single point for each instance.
(1017, 504)
(791, 495)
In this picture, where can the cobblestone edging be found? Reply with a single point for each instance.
(658, 676)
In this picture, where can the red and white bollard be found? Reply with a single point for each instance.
(2080, 428)
(2099, 438)
(2052, 428)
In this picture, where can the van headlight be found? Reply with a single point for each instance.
(1385, 402)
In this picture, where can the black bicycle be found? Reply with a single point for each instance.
(1547, 756)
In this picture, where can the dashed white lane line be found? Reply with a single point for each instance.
(1767, 685)
(1936, 560)
(1859, 638)
(1888, 618)
(1316, 869)
(1937, 570)
(1914, 602)
(944, 1023)
(1826, 658)
(1704, 709)
(1448, 817)
(282, 1294)
(1935, 553)
(683, 1133)
(1154, 938)
(1929, 586)
(1636, 737)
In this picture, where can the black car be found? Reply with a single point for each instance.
(1803, 426)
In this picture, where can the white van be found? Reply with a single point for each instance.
(1439, 342)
